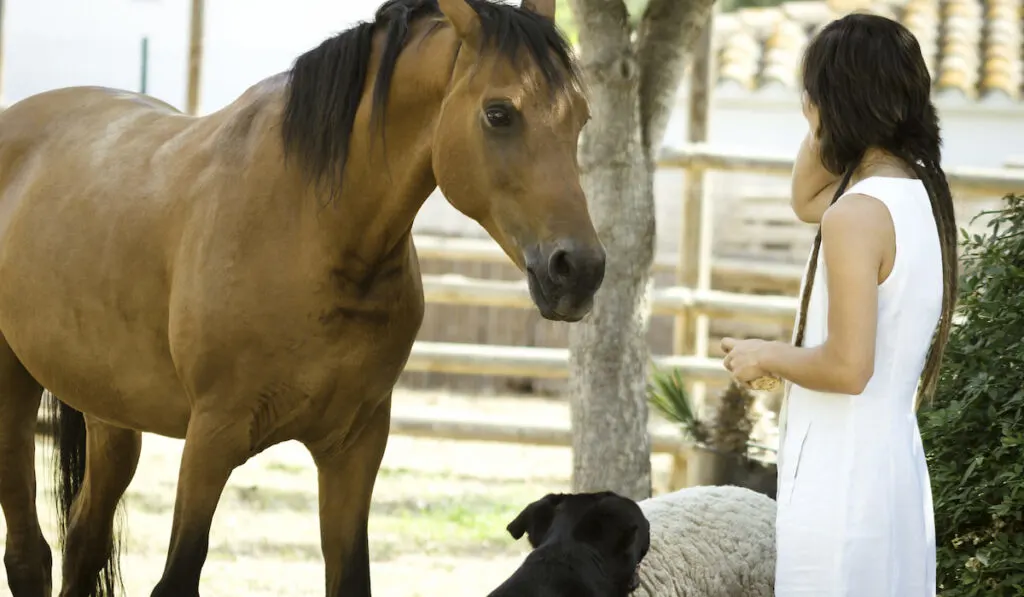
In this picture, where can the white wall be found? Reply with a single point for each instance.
(59, 43)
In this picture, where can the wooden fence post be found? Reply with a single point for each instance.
(195, 56)
(2, 36)
(144, 67)
(693, 271)
(696, 229)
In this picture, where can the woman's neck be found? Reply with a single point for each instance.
(878, 162)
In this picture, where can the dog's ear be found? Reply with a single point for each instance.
(535, 520)
(611, 529)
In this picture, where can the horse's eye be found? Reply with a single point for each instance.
(498, 116)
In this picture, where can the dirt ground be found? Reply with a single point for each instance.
(437, 524)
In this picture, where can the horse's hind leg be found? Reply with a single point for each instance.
(90, 551)
(27, 556)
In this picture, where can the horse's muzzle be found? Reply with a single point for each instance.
(563, 277)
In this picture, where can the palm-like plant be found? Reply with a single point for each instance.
(666, 392)
(722, 456)
(727, 430)
(733, 420)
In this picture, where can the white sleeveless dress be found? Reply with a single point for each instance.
(855, 514)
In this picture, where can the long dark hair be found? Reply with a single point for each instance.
(868, 80)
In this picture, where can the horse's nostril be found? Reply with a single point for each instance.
(560, 266)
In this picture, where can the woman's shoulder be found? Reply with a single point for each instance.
(858, 231)
(857, 212)
(888, 190)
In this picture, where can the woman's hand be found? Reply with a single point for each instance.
(743, 359)
(812, 186)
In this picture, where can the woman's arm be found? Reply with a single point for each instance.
(857, 238)
(812, 186)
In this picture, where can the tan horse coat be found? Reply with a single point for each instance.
(183, 276)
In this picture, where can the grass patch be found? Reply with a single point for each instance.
(417, 513)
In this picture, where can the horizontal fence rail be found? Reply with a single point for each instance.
(965, 182)
(536, 362)
(485, 250)
(456, 289)
(462, 429)
(487, 431)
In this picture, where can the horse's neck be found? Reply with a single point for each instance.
(388, 176)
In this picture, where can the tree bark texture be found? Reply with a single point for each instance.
(632, 81)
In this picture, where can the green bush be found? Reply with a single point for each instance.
(974, 432)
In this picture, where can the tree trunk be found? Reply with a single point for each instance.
(609, 350)
(631, 85)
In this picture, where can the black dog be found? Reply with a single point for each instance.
(584, 545)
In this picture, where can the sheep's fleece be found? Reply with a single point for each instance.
(716, 541)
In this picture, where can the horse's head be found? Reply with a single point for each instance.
(504, 151)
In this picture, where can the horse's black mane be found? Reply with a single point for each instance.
(325, 84)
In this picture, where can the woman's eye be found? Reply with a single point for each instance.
(498, 116)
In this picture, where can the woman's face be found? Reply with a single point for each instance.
(810, 113)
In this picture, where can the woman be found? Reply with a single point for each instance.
(855, 513)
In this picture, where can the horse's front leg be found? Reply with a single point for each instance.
(215, 444)
(347, 466)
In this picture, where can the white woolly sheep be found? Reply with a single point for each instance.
(710, 541)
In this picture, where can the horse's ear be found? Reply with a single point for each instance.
(463, 18)
(545, 8)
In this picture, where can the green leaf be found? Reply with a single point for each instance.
(666, 392)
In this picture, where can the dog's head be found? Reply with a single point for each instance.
(611, 525)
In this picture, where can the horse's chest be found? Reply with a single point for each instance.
(362, 366)
(375, 351)
(372, 344)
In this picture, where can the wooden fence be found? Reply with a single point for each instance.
(674, 300)
(671, 300)
(464, 358)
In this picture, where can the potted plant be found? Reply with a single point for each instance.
(720, 450)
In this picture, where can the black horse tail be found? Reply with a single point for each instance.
(69, 446)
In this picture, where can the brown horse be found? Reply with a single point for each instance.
(249, 277)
